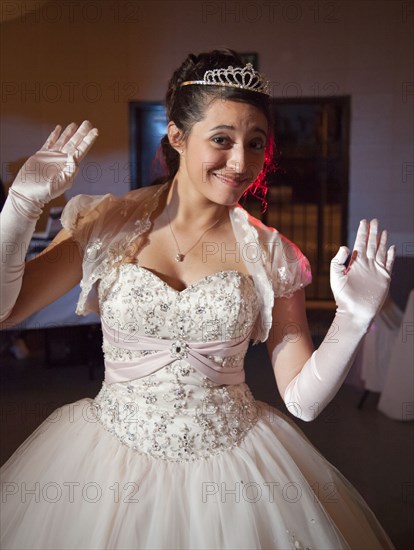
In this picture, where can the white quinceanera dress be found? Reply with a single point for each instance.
(174, 452)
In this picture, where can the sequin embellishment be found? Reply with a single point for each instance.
(177, 413)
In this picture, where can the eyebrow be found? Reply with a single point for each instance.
(228, 127)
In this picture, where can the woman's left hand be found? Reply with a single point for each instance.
(361, 288)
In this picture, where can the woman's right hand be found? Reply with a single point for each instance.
(44, 176)
(51, 171)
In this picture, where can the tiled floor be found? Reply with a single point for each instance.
(374, 452)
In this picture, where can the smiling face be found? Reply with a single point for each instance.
(224, 152)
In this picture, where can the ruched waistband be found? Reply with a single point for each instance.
(167, 351)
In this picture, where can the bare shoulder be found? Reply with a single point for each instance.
(47, 276)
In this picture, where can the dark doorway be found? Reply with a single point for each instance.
(308, 193)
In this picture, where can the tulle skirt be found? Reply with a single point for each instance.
(73, 485)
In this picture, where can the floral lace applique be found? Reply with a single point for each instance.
(177, 413)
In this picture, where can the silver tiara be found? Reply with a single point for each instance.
(245, 78)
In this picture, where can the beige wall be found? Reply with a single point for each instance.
(70, 60)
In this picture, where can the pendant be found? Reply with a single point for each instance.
(179, 257)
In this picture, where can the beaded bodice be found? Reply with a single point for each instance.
(177, 412)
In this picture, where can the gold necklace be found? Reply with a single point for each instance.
(180, 256)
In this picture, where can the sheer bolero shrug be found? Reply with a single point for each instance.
(107, 229)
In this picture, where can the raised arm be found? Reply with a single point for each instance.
(44, 176)
(308, 381)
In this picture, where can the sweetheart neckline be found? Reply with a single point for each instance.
(195, 283)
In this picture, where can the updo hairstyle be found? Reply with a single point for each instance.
(186, 105)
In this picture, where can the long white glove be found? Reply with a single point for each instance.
(44, 176)
(359, 292)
